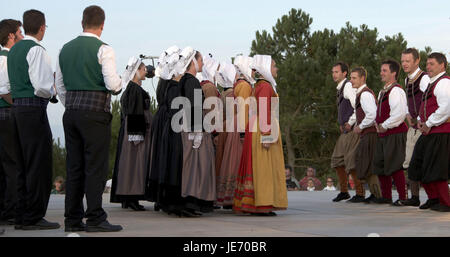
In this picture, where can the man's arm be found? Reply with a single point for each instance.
(107, 60)
(398, 105)
(442, 93)
(40, 72)
(59, 83)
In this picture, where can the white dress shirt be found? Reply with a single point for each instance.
(369, 106)
(399, 107)
(423, 82)
(106, 58)
(5, 87)
(349, 94)
(40, 70)
(442, 93)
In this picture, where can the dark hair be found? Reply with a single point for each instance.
(344, 66)
(93, 17)
(7, 27)
(33, 20)
(287, 166)
(412, 51)
(439, 57)
(361, 72)
(393, 67)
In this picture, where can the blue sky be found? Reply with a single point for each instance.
(225, 28)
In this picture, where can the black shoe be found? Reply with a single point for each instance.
(341, 196)
(156, 207)
(413, 201)
(399, 203)
(41, 225)
(444, 208)
(76, 228)
(264, 214)
(105, 226)
(228, 207)
(136, 206)
(382, 200)
(7, 222)
(370, 199)
(429, 203)
(356, 199)
(216, 207)
(190, 213)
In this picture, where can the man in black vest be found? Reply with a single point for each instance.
(85, 78)
(343, 158)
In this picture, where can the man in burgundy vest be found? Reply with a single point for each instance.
(391, 128)
(343, 158)
(430, 162)
(415, 84)
(366, 111)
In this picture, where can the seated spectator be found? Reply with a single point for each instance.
(310, 174)
(330, 185)
(311, 186)
(291, 182)
(59, 184)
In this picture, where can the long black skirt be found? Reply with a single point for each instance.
(430, 161)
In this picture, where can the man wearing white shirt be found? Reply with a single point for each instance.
(430, 163)
(391, 128)
(366, 111)
(32, 86)
(415, 84)
(10, 33)
(343, 157)
(85, 78)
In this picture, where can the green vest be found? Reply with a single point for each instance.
(19, 77)
(3, 103)
(79, 65)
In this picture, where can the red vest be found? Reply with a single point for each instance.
(360, 114)
(429, 106)
(383, 112)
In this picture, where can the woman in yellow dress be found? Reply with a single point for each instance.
(261, 185)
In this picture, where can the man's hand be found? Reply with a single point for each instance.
(425, 129)
(357, 130)
(348, 127)
(380, 128)
(341, 129)
(409, 119)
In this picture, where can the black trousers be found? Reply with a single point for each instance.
(33, 141)
(88, 135)
(8, 171)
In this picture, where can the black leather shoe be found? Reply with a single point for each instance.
(382, 200)
(7, 222)
(413, 201)
(105, 226)
(444, 208)
(265, 214)
(356, 199)
(227, 207)
(399, 203)
(76, 228)
(429, 203)
(370, 199)
(136, 206)
(341, 196)
(41, 225)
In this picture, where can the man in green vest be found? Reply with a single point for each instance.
(85, 78)
(32, 86)
(10, 33)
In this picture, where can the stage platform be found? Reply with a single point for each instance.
(310, 214)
